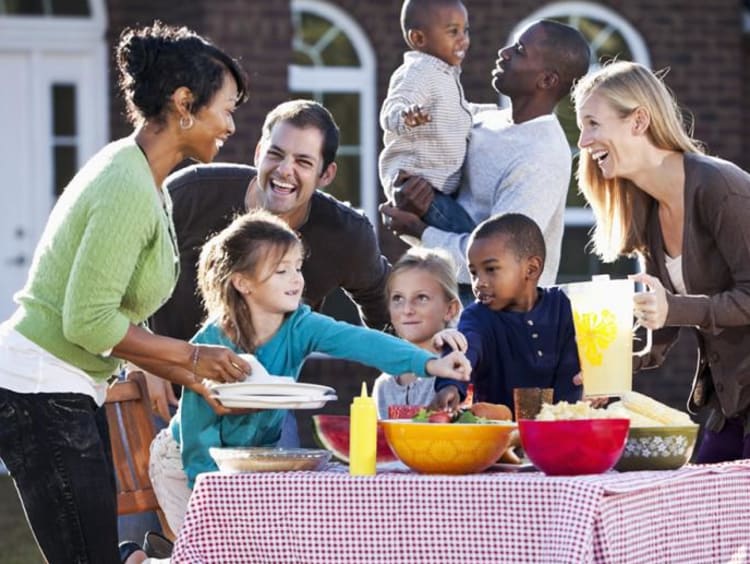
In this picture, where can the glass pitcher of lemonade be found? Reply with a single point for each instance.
(603, 318)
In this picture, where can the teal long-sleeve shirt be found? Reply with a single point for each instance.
(197, 428)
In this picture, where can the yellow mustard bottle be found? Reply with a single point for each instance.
(363, 435)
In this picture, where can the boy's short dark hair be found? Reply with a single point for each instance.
(415, 13)
(522, 234)
(307, 113)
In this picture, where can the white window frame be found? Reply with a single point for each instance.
(40, 35)
(54, 49)
(359, 80)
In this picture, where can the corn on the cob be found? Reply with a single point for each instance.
(636, 419)
(649, 407)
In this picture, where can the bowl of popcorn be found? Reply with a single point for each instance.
(573, 439)
(660, 438)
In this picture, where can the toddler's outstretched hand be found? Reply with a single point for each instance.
(452, 338)
(446, 399)
(454, 365)
(415, 115)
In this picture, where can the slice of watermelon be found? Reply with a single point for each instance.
(332, 433)
(403, 411)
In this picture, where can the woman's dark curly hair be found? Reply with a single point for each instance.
(156, 60)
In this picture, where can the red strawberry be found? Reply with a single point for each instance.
(440, 417)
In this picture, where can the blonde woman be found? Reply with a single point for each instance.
(657, 196)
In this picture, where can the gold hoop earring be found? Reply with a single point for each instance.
(186, 122)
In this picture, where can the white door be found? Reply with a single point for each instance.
(52, 115)
(18, 178)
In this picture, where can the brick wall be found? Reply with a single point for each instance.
(256, 33)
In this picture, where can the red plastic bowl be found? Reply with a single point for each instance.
(574, 447)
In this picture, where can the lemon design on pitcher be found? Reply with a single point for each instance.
(595, 332)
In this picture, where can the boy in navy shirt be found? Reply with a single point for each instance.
(520, 335)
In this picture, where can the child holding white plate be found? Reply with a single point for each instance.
(251, 282)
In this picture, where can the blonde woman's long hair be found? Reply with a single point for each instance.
(438, 264)
(619, 206)
(252, 244)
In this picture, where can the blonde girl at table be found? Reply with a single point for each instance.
(251, 282)
(423, 303)
(106, 261)
(685, 215)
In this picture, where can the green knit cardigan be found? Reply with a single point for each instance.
(107, 259)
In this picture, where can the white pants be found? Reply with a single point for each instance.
(169, 479)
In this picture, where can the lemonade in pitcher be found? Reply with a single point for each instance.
(603, 319)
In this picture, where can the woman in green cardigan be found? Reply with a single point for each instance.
(106, 261)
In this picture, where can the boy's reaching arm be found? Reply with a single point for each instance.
(449, 393)
(452, 338)
(447, 399)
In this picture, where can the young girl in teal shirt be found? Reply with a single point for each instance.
(251, 282)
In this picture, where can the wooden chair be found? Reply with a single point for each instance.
(131, 430)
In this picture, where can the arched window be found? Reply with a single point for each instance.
(610, 36)
(45, 7)
(54, 100)
(335, 65)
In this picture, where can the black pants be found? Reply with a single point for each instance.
(56, 447)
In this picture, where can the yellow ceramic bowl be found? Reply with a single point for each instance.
(447, 448)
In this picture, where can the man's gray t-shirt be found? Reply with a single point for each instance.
(512, 168)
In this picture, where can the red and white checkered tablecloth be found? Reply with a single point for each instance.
(696, 514)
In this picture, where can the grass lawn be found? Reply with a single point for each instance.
(17, 545)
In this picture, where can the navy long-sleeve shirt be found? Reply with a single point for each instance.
(510, 349)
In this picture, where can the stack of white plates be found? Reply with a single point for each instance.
(286, 395)
(262, 391)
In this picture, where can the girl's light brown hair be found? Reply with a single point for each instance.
(253, 244)
(436, 263)
(620, 208)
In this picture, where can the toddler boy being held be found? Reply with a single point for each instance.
(425, 117)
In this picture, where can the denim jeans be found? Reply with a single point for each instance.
(56, 447)
(446, 214)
